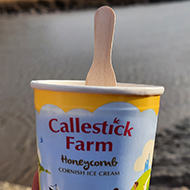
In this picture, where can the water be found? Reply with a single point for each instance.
(151, 46)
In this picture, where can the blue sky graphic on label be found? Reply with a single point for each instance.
(109, 148)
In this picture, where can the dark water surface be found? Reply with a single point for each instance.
(152, 46)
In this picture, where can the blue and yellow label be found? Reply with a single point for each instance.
(95, 141)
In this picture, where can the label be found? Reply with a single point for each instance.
(108, 149)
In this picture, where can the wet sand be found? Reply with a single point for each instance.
(151, 46)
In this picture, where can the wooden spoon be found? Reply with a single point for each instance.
(101, 72)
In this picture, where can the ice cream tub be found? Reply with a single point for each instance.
(94, 137)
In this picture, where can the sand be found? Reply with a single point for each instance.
(151, 46)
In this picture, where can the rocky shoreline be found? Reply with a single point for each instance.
(58, 5)
(48, 6)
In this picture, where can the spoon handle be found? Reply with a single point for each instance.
(101, 72)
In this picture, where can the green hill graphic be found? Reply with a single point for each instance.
(143, 181)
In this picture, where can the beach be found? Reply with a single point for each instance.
(151, 46)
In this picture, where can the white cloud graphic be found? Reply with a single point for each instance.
(147, 154)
